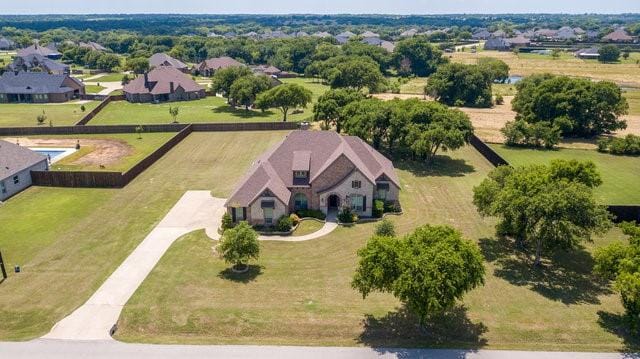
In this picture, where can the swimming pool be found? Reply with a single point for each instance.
(54, 154)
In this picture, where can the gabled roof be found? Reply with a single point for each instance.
(314, 151)
(347, 34)
(159, 81)
(6, 43)
(369, 34)
(14, 158)
(37, 49)
(409, 33)
(34, 83)
(618, 35)
(219, 63)
(161, 59)
(26, 63)
(93, 46)
(322, 34)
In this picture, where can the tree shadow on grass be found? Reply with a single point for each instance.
(241, 112)
(246, 277)
(400, 329)
(440, 166)
(566, 276)
(617, 324)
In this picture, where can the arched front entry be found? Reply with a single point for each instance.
(334, 201)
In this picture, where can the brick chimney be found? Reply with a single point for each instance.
(171, 89)
(146, 80)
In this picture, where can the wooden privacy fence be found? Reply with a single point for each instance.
(107, 100)
(630, 213)
(169, 127)
(104, 179)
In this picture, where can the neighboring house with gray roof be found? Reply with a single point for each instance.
(319, 170)
(163, 83)
(94, 46)
(589, 53)
(497, 43)
(46, 51)
(322, 34)
(161, 59)
(38, 87)
(6, 44)
(38, 63)
(481, 35)
(16, 164)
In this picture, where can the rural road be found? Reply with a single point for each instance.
(61, 349)
(94, 319)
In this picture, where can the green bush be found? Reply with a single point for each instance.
(346, 215)
(539, 134)
(629, 145)
(227, 221)
(378, 208)
(284, 224)
(392, 207)
(311, 213)
(386, 228)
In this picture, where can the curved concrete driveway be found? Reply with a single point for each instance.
(328, 227)
(94, 319)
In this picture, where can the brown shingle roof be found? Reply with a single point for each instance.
(219, 63)
(618, 35)
(158, 81)
(314, 151)
(160, 59)
(14, 158)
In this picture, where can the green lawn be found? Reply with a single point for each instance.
(307, 227)
(620, 174)
(210, 109)
(69, 240)
(113, 77)
(300, 293)
(137, 150)
(93, 88)
(24, 115)
(414, 86)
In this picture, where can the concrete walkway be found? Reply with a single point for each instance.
(94, 320)
(61, 349)
(330, 224)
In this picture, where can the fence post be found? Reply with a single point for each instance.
(4, 271)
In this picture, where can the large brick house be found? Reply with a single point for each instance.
(320, 170)
(210, 66)
(38, 87)
(163, 83)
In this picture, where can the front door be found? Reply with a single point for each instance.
(334, 201)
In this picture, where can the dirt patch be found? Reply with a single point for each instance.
(104, 151)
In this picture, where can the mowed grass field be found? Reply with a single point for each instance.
(69, 240)
(210, 109)
(633, 98)
(300, 293)
(620, 174)
(25, 115)
(112, 77)
(625, 73)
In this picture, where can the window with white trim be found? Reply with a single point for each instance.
(300, 174)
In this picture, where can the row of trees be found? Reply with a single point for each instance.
(90, 58)
(409, 127)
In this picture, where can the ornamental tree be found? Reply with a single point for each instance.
(238, 245)
(428, 270)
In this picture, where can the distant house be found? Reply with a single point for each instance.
(546, 34)
(499, 33)
(16, 164)
(40, 50)
(38, 63)
(92, 46)
(6, 44)
(481, 35)
(163, 83)
(320, 170)
(38, 87)
(344, 37)
(590, 53)
(369, 34)
(566, 33)
(375, 41)
(210, 66)
(409, 33)
(300, 34)
(619, 35)
(322, 34)
(388, 45)
(518, 41)
(497, 43)
(161, 59)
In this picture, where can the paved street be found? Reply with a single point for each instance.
(59, 349)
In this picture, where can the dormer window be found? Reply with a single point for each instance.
(300, 174)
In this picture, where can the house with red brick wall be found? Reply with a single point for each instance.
(319, 170)
(161, 84)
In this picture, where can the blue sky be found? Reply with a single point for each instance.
(317, 7)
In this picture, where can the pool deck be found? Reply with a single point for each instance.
(66, 151)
